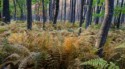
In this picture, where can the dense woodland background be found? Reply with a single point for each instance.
(62, 34)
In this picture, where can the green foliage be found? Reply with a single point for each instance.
(0, 5)
(2, 29)
(119, 9)
(10, 49)
(95, 2)
(101, 14)
(100, 64)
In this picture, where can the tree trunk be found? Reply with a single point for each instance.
(61, 12)
(64, 10)
(51, 8)
(6, 12)
(44, 13)
(0, 16)
(97, 12)
(89, 14)
(109, 8)
(81, 17)
(56, 13)
(72, 13)
(21, 10)
(29, 15)
(15, 11)
(120, 15)
(38, 11)
(0, 10)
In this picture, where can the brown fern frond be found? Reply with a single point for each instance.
(6, 64)
(12, 57)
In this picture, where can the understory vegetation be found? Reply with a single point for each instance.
(59, 49)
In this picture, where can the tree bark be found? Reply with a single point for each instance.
(109, 8)
(29, 15)
(81, 17)
(97, 12)
(51, 8)
(0, 11)
(21, 10)
(6, 12)
(44, 13)
(15, 9)
(56, 13)
(120, 15)
(72, 11)
(89, 14)
(64, 10)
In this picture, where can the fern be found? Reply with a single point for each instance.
(100, 64)
(19, 49)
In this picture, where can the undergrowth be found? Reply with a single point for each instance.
(59, 49)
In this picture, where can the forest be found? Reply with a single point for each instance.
(62, 34)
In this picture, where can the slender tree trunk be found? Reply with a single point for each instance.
(61, 11)
(38, 11)
(6, 12)
(56, 13)
(109, 8)
(81, 17)
(1, 11)
(97, 12)
(119, 17)
(72, 13)
(122, 18)
(24, 12)
(21, 9)
(51, 8)
(29, 14)
(64, 10)
(44, 13)
(15, 10)
(89, 14)
(115, 17)
(0, 16)
(74, 9)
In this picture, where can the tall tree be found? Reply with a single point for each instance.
(0, 10)
(72, 11)
(89, 14)
(120, 15)
(6, 12)
(97, 12)
(15, 9)
(81, 16)
(109, 8)
(29, 14)
(44, 13)
(20, 4)
(56, 13)
(65, 10)
(51, 10)
(37, 8)
(0, 16)
(61, 12)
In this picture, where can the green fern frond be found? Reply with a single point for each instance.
(121, 46)
(19, 49)
(36, 60)
(100, 64)
(27, 61)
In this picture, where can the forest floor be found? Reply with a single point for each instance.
(58, 48)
